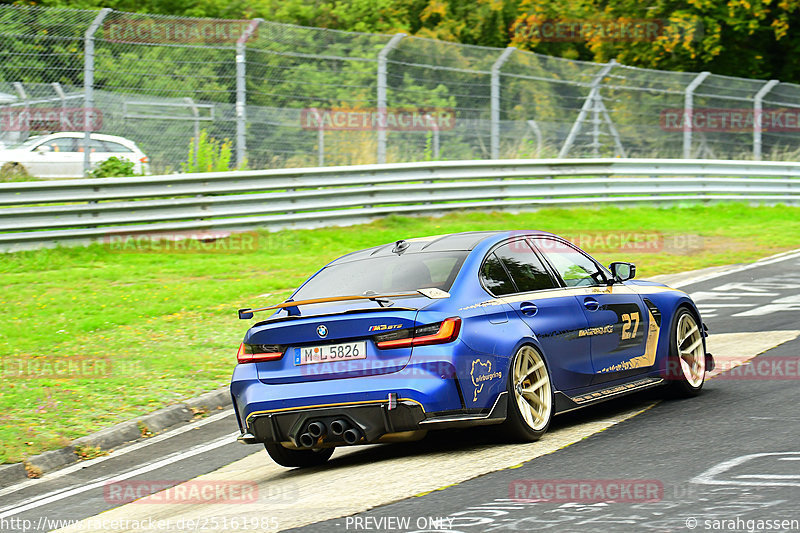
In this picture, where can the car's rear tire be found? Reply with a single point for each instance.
(530, 396)
(686, 366)
(298, 458)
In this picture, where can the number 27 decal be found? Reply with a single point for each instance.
(628, 319)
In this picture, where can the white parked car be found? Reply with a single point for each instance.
(60, 155)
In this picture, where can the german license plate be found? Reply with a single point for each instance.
(309, 355)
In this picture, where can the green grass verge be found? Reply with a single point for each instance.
(165, 323)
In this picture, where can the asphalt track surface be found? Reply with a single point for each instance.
(728, 460)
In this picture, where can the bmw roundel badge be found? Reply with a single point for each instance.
(322, 330)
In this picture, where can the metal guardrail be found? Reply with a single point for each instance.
(44, 213)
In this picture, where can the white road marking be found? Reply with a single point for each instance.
(702, 296)
(716, 305)
(750, 295)
(789, 303)
(117, 453)
(777, 258)
(768, 476)
(99, 482)
(711, 476)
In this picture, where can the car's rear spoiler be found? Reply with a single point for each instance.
(432, 293)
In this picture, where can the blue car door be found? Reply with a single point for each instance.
(619, 325)
(514, 273)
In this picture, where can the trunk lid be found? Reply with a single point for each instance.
(341, 325)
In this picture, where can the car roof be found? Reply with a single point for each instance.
(465, 241)
(97, 136)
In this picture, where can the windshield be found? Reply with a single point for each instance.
(384, 275)
(30, 142)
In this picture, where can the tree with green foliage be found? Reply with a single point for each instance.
(748, 38)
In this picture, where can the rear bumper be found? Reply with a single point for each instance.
(280, 412)
(371, 421)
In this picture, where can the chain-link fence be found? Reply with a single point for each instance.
(289, 96)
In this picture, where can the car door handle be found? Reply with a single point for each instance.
(591, 304)
(528, 308)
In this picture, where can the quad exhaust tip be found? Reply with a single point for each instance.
(306, 440)
(317, 429)
(338, 427)
(351, 436)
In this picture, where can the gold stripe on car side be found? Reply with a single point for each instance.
(569, 291)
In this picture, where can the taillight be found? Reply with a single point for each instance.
(438, 333)
(257, 353)
(144, 159)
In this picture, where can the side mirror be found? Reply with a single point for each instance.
(43, 148)
(622, 271)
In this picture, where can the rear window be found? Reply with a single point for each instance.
(115, 147)
(385, 274)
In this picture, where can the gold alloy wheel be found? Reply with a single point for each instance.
(691, 354)
(532, 390)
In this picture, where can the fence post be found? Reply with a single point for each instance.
(757, 116)
(495, 101)
(88, 85)
(320, 137)
(196, 114)
(62, 96)
(241, 92)
(688, 108)
(588, 104)
(382, 55)
(26, 111)
(435, 135)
